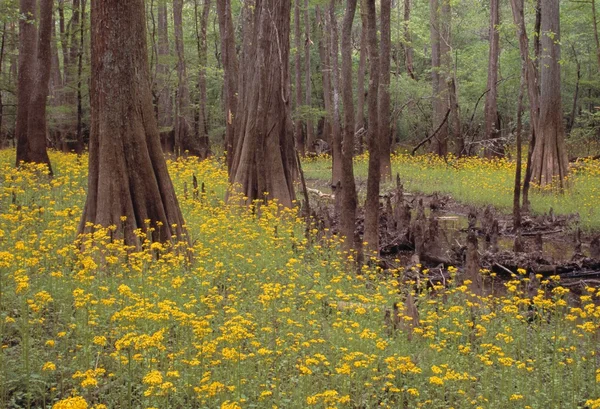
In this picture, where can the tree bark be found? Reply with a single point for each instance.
(491, 104)
(349, 197)
(326, 73)
(231, 72)
(298, 126)
(385, 118)
(201, 122)
(128, 183)
(371, 236)
(310, 137)
(336, 135)
(439, 144)
(265, 161)
(549, 158)
(34, 76)
(518, 171)
(162, 86)
(408, 49)
(360, 87)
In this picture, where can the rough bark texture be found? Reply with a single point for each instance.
(371, 235)
(336, 132)
(264, 159)
(127, 171)
(201, 122)
(518, 171)
(310, 134)
(348, 193)
(298, 126)
(491, 98)
(360, 85)
(549, 158)
(408, 49)
(230, 65)
(596, 38)
(162, 84)
(439, 143)
(35, 59)
(385, 117)
(326, 73)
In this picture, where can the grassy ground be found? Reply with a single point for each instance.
(480, 182)
(260, 318)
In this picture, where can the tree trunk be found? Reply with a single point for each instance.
(265, 160)
(491, 104)
(326, 73)
(531, 79)
(385, 118)
(230, 65)
(298, 127)
(2, 48)
(310, 137)
(439, 143)
(34, 68)
(128, 181)
(518, 171)
(163, 91)
(408, 49)
(201, 123)
(336, 134)
(348, 193)
(573, 115)
(185, 141)
(549, 158)
(371, 236)
(360, 87)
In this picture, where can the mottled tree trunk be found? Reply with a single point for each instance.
(326, 73)
(371, 236)
(201, 122)
(162, 85)
(310, 134)
(128, 181)
(408, 49)
(439, 144)
(336, 132)
(230, 65)
(265, 160)
(361, 125)
(596, 38)
(298, 126)
(348, 193)
(35, 61)
(549, 160)
(491, 104)
(385, 118)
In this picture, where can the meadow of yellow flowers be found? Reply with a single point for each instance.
(260, 317)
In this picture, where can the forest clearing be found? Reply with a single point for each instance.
(261, 315)
(299, 203)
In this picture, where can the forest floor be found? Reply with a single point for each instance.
(263, 315)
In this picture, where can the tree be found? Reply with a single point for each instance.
(549, 160)
(128, 174)
(336, 132)
(348, 199)
(310, 138)
(407, 41)
(298, 126)
(162, 86)
(371, 235)
(230, 65)
(201, 122)
(439, 144)
(385, 117)
(491, 104)
(264, 161)
(34, 77)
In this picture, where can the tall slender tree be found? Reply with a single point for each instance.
(349, 198)
(491, 98)
(371, 236)
(34, 77)
(385, 118)
(128, 181)
(201, 117)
